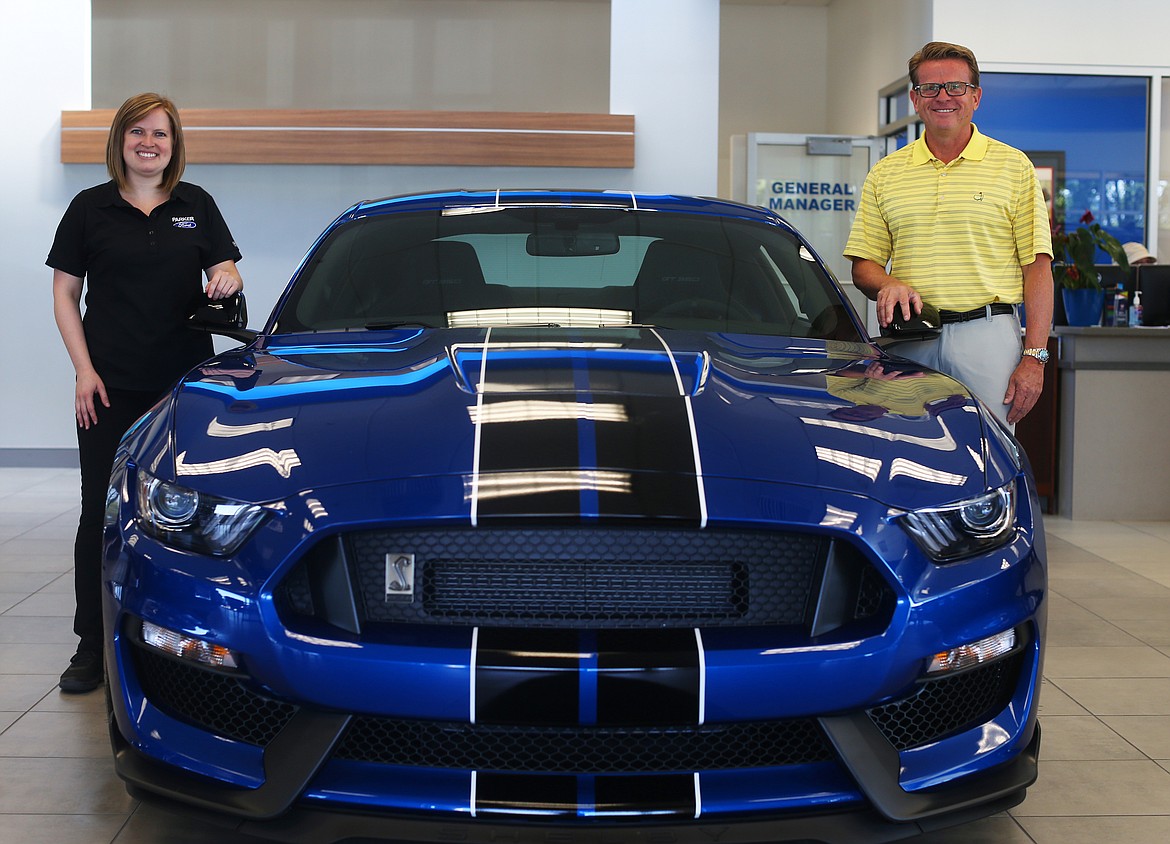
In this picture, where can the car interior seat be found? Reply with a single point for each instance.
(678, 280)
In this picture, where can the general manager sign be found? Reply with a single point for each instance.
(789, 196)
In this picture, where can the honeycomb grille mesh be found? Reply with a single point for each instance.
(589, 750)
(598, 578)
(585, 577)
(949, 705)
(219, 703)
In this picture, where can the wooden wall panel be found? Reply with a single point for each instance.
(284, 136)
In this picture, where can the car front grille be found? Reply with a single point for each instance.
(584, 578)
(585, 750)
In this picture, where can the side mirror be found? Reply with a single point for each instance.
(228, 317)
(925, 325)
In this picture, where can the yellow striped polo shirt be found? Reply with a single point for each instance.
(957, 233)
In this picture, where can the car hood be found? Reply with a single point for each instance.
(622, 421)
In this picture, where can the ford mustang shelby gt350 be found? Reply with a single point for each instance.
(573, 516)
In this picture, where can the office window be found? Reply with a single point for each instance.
(1095, 127)
(898, 123)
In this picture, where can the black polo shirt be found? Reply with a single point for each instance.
(144, 276)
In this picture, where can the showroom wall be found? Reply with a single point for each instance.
(500, 55)
(692, 71)
(275, 211)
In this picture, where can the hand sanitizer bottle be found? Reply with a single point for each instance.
(1135, 310)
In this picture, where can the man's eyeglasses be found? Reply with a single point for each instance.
(931, 89)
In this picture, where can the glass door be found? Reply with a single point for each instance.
(813, 182)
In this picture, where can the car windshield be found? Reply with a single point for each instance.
(565, 266)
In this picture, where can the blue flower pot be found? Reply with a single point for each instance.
(1083, 306)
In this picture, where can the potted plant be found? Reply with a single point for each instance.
(1074, 267)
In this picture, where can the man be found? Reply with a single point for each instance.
(961, 220)
(1136, 253)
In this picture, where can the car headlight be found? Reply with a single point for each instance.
(965, 528)
(192, 520)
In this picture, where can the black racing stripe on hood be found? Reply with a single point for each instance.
(658, 445)
(529, 444)
(621, 442)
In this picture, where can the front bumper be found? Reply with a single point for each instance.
(307, 790)
(272, 811)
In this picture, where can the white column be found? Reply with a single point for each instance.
(44, 68)
(664, 69)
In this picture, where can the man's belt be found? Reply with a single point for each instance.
(986, 312)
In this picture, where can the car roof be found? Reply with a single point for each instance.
(522, 197)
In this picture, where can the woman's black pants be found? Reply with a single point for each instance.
(96, 447)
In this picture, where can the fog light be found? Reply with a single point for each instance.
(975, 653)
(188, 647)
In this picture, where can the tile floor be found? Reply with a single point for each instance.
(1105, 773)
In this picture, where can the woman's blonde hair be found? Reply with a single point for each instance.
(131, 111)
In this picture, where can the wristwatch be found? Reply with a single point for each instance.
(1040, 354)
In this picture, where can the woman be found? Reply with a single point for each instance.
(139, 245)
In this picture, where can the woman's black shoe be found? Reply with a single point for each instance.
(85, 672)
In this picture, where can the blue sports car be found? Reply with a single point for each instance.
(577, 517)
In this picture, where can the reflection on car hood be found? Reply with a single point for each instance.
(567, 422)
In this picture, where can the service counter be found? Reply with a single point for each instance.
(1114, 423)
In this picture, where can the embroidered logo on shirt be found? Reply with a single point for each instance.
(183, 222)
